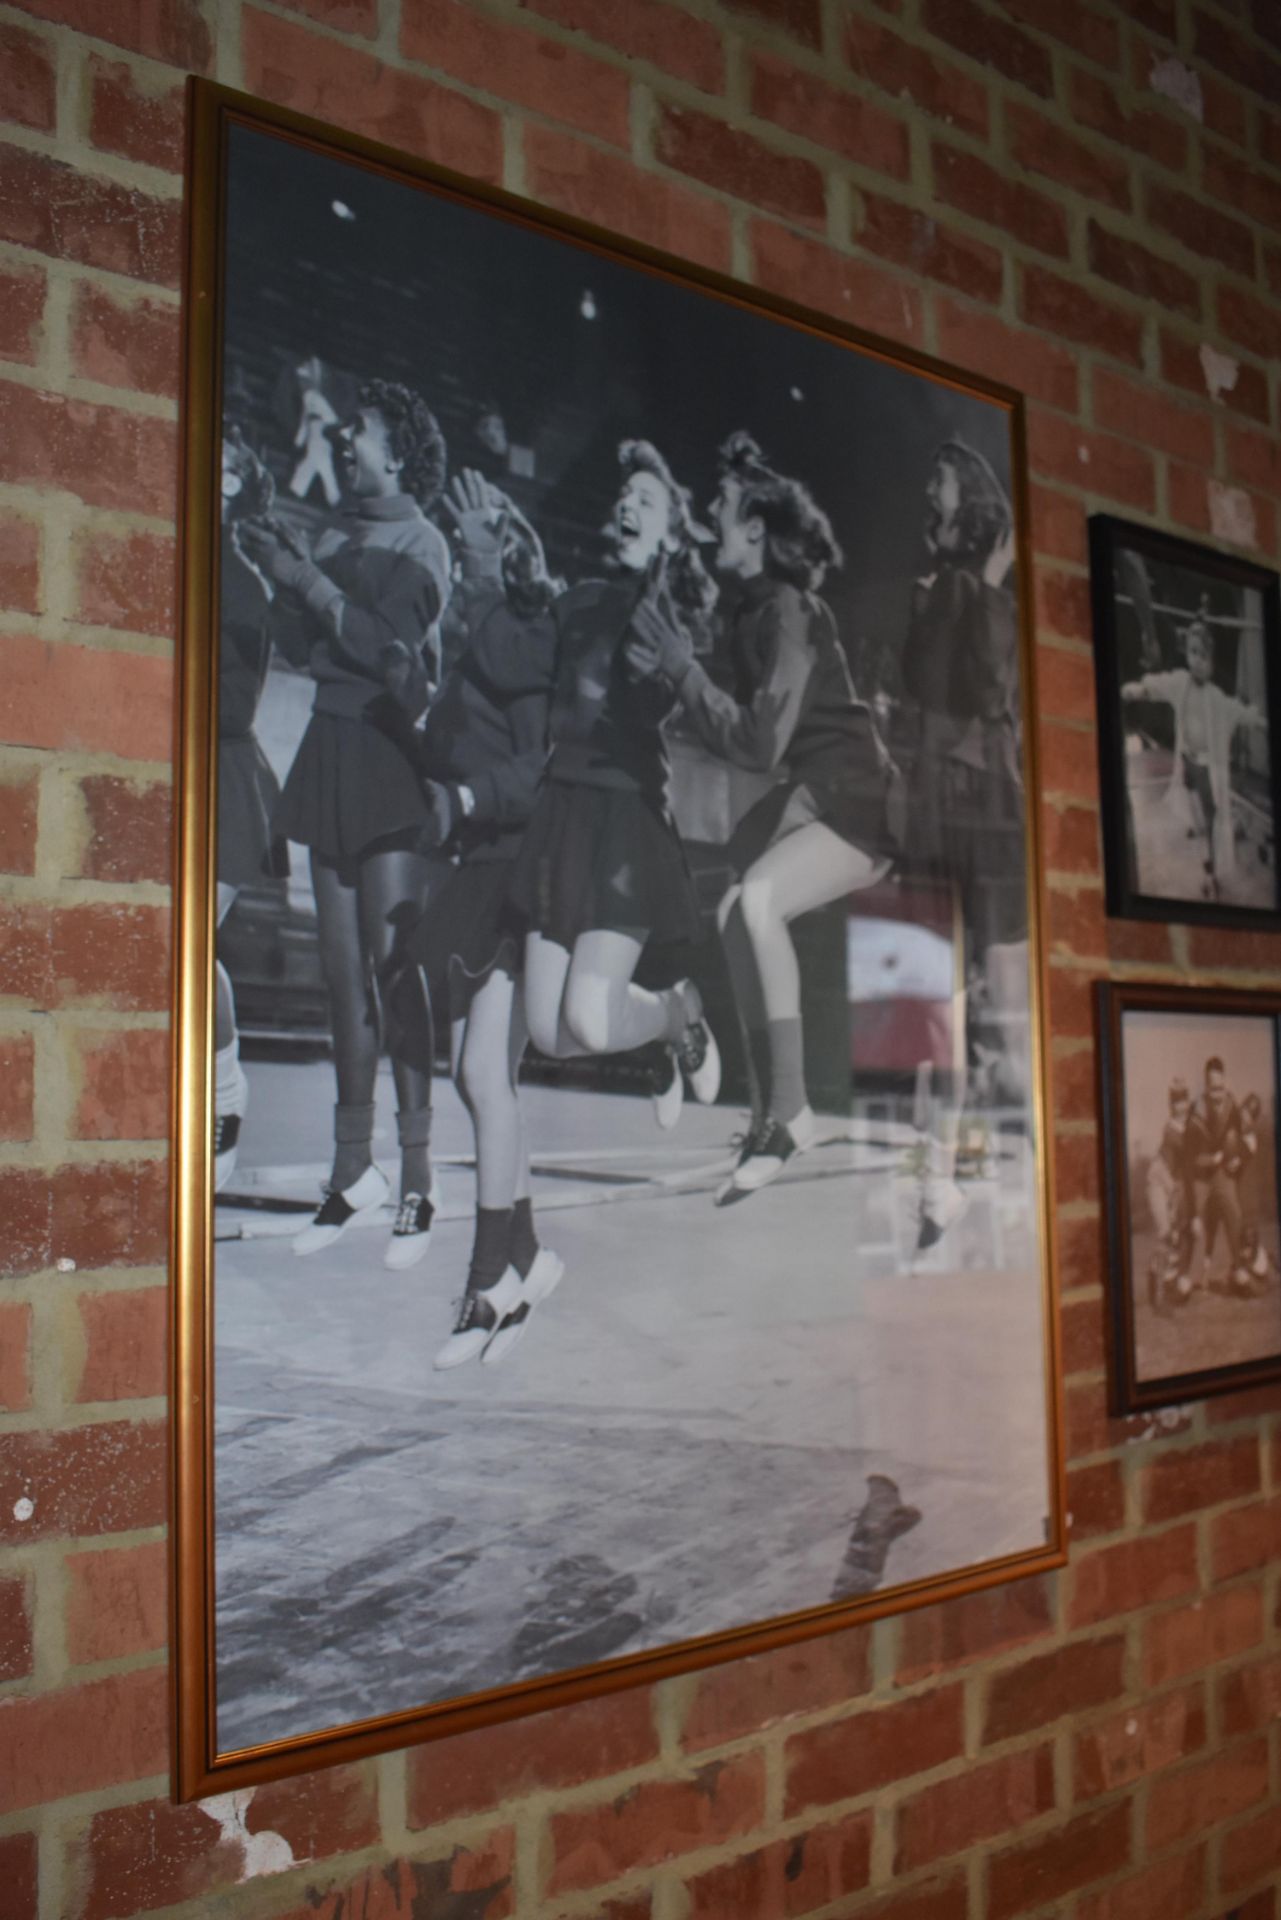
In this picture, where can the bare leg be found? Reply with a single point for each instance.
(546, 971)
(392, 893)
(748, 1004)
(484, 1071)
(604, 1009)
(353, 1014)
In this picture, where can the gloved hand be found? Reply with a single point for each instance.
(282, 560)
(657, 644)
(480, 513)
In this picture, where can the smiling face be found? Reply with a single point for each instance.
(740, 543)
(366, 464)
(1216, 1089)
(943, 496)
(641, 521)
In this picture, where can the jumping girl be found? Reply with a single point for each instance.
(602, 871)
(484, 748)
(362, 612)
(824, 830)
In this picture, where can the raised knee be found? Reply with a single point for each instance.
(544, 1029)
(756, 903)
(587, 1017)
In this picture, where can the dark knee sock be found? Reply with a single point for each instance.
(759, 1078)
(523, 1248)
(787, 1070)
(413, 1129)
(489, 1252)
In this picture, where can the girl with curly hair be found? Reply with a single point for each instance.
(602, 870)
(824, 830)
(361, 611)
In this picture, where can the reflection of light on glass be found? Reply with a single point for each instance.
(796, 393)
(342, 210)
(587, 305)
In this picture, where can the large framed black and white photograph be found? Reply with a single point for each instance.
(612, 1214)
(1189, 1083)
(1186, 651)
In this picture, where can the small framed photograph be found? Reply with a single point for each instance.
(1186, 658)
(1189, 1081)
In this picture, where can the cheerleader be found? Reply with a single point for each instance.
(248, 851)
(361, 613)
(484, 748)
(824, 830)
(601, 870)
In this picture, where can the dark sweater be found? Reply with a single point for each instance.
(605, 724)
(381, 576)
(487, 727)
(244, 642)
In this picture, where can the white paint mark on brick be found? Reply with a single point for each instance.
(1083, 454)
(24, 1508)
(1232, 514)
(1221, 371)
(1179, 83)
(65, 1266)
(1131, 1727)
(266, 1852)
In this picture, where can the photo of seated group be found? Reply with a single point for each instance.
(629, 1218)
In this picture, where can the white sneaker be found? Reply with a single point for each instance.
(774, 1146)
(698, 1053)
(542, 1279)
(337, 1211)
(481, 1312)
(411, 1235)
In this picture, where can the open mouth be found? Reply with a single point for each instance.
(628, 525)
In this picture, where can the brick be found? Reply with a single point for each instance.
(1133, 1574)
(744, 1696)
(19, 824)
(100, 1216)
(472, 1880)
(1204, 231)
(1137, 270)
(19, 563)
(124, 1085)
(1070, 312)
(520, 66)
(984, 344)
(831, 117)
(1250, 1698)
(1095, 104)
(973, 1806)
(344, 16)
(22, 294)
(114, 956)
(16, 1653)
(1139, 1740)
(1085, 1849)
(170, 30)
(1080, 1246)
(1052, 1685)
(98, 1479)
(794, 1876)
(1077, 924)
(1091, 1429)
(1182, 1481)
(18, 1874)
(1188, 495)
(142, 121)
(1240, 184)
(655, 1821)
(935, 1639)
(986, 193)
(561, 1749)
(735, 162)
(1182, 365)
(342, 83)
(129, 829)
(1095, 1500)
(1070, 844)
(926, 246)
(154, 1854)
(1254, 323)
(107, 457)
(1175, 1886)
(1186, 1639)
(1225, 948)
(1095, 462)
(881, 58)
(1251, 1852)
(1143, 413)
(1245, 1538)
(848, 1757)
(123, 343)
(117, 1602)
(127, 581)
(1088, 31)
(17, 1080)
(649, 30)
(1063, 677)
(1236, 55)
(15, 1356)
(995, 42)
(1083, 1335)
(857, 293)
(1207, 1794)
(1254, 458)
(87, 699)
(597, 185)
(1252, 1403)
(105, 1733)
(28, 80)
(1039, 146)
(803, 19)
(125, 1350)
(943, 1899)
(55, 209)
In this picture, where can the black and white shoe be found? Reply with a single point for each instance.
(411, 1235)
(337, 1211)
(542, 1279)
(481, 1313)
(745, 1144)
(774, 1146)
(698, 1054)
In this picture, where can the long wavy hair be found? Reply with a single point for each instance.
(800, 545)
(984, 517)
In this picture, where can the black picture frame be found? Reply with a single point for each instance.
(1124, 631)
(1170, 1294)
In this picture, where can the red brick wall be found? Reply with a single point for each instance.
(1083, 198)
